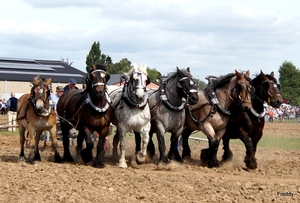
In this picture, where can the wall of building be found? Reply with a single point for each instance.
(20, 88)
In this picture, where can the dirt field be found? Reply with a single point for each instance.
(277, 178)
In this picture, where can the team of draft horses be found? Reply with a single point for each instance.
(230, 107)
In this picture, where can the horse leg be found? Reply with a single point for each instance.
(141, 156)
(66, 142)
(87, 153)
(98, 162)
(186, 151)
(161, 146)
(37, 156)
(227, 155)
(250, 160)
(116, 141)
(213, 149)
(174, 153)
(138, 140)
(57, 157)
(121, 135)
(22, 142)
(80, 139)
(32, 144)
(151, 146)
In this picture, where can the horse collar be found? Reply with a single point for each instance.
(96, 108)
(165, 100)
(214, 100)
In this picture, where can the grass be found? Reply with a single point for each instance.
(275, 138)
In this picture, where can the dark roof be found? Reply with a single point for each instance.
(114, 79)
(13, 69)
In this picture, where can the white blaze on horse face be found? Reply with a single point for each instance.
(141, 84)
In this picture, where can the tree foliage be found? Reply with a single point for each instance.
(289, 80)
(95, 56)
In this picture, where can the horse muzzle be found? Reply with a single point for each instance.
(276, 101)
(193, 97)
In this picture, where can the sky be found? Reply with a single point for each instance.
(213, 37)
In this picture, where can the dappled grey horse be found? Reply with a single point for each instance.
(131, 111)
(167, 106)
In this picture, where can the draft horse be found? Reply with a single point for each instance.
(211, 113)
(167, 105)
(131, 111)
(87, 111)
(248, 127)
(35, 113)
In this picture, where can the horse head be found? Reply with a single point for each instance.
(243, 90)
(267, 89)
(97, 79)
(138, 80)
(187, 86)
(40, 93)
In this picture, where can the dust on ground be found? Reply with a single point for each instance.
(277, 178)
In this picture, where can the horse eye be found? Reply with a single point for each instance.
(192, 82)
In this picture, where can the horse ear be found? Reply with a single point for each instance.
(107, 77)
(188, 69)
(272, 74)
(262, 75)
(238, 74)
(179, 72)
(248, 73)
(94, 66)
(35, 81)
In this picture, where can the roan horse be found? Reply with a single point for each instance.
(210, 115)
(35, 113)
(131, 111)
(167, 105)
(248, 127)
(87, 111)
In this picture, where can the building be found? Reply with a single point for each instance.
(17, 74)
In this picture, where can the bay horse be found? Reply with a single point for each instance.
(131, 111)
(248, 127)
(167, 105)
(211, 113)
(87, 111)
(35, 113)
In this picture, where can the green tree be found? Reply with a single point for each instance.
(153, 74)
(289, 79)
(95, 56)
(123, 66)
(200, 84)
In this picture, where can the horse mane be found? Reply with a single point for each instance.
(271, 78)
(225, 79)
(173, 75)
(257, 79)
(141, 68)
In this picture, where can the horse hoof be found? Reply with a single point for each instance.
(68, 159)
(212, 164)
(227, 157)
(57, 159)
(122, 164)
(250, 163)
(86, 155)
(204, 155)
(30, 161)
(140, 158)
(98, 165)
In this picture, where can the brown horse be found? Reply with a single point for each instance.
(210, 115)
(248, 127)
(35, 113)
(87, 111)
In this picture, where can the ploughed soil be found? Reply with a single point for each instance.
(277, 178)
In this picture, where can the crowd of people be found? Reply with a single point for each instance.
(281, 114)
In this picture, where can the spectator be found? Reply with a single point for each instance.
(3, 107)
(71, 85)
(54, 97)
(12, 111)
